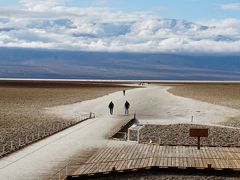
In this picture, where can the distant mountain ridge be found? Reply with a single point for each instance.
(42, 63)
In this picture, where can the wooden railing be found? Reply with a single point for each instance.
(38, 133)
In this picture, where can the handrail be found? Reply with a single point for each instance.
(30, 138)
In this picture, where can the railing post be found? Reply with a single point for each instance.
(3, 149)
(11, 146)
(227, 162)
(59, 175)
(138, 135)
(66, 170)
(19, 142)
(38, 135)
(33, 137)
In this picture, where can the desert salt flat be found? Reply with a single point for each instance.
(152, 104)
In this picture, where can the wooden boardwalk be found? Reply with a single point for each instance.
(138, 156)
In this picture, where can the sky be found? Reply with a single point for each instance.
(166, 26)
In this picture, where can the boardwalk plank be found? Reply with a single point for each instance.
(135, 156)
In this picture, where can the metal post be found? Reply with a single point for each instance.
(19, 142)
(26, 139)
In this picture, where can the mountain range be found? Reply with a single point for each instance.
(45, 63)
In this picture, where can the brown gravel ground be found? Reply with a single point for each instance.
(21, 104)
(219, 94)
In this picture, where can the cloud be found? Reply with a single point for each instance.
(41, 5)
(231, 6)
(51, 24)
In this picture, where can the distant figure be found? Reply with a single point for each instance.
(111, 106)
(127, 105)
(124, 92)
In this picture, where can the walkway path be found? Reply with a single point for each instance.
(132, 156)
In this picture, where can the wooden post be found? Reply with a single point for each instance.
(3, 149)
(138, 135)
(198, 142)
(11, 145)
(32, 136)
(38, 135)
(227, 162)
(209, 166)
(198, 133)
(159, 141)
(19, 142)
(66, 170)
(125, 136)
(26, 139)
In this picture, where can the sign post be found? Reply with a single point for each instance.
(198, 133)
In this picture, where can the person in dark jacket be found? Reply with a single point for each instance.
(111, 106)
(127, 105)
(124, 91)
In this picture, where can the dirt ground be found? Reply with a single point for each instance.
(22, 104)
(219, 94)
(225, 95)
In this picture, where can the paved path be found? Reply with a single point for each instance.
(152, 105)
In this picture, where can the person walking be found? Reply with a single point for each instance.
(124, 92)
(111, 106)
(127, 105)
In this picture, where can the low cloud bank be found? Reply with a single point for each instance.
(51, 24)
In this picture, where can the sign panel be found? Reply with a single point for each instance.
(198, 132)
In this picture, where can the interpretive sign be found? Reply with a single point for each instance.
(198, 133)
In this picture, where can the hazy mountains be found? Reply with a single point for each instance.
(34, 63)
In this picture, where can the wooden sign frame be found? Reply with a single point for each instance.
(194, 132)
